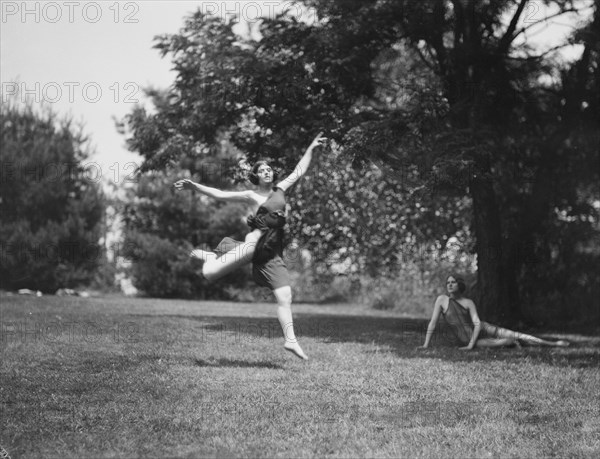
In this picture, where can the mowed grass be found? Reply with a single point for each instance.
(122, 377)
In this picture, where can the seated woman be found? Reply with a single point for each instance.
(461, 315)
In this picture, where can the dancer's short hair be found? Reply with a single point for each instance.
(253, 175)
(462, 286)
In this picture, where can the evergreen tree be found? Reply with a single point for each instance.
(51, 206)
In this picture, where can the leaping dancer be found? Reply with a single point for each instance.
(263, 246)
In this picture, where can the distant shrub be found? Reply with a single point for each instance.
(162, 268)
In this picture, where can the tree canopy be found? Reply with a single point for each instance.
(447, 96)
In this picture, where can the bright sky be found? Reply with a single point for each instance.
(91, 59)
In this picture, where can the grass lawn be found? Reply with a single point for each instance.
(122, 377)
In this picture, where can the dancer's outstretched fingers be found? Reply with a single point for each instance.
(183, 184)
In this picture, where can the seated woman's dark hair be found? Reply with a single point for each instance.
(253, 176)
(462, 286)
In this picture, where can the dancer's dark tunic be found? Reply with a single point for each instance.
(268, 268)
(459, 320)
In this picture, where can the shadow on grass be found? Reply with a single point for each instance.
(400, 336)
(236, 364)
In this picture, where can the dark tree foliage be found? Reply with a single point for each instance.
(162, 226)
(443, 95)
(51, 207)
(487, 125)
(371, 222)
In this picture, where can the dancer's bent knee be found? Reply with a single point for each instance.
(237, 257)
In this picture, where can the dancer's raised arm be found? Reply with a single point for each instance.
(239, 196)
(302, 165)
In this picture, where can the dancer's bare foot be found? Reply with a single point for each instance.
(295, 349)
(202, 254)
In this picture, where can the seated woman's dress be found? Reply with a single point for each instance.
(459, 320)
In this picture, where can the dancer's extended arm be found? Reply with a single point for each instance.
(437, 308)
(476, 326)
(221, 195)
(302, 165)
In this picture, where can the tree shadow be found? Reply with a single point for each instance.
(400, 336)
(212, 362)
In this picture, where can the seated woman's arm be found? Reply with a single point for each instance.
(437, 308)
(302, 165)
(476, 326)
(232, 196)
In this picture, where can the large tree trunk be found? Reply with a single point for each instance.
(497, 298)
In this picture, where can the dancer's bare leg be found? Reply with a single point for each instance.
(203, 254)
(215, 267)
(505, 333)
(284, 314)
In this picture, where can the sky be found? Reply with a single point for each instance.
(90, 60)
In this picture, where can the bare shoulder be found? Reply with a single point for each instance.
(286, 183)
(442, 298)
(469, 303)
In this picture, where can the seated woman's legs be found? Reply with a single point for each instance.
(494, 342)
(505, 333)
